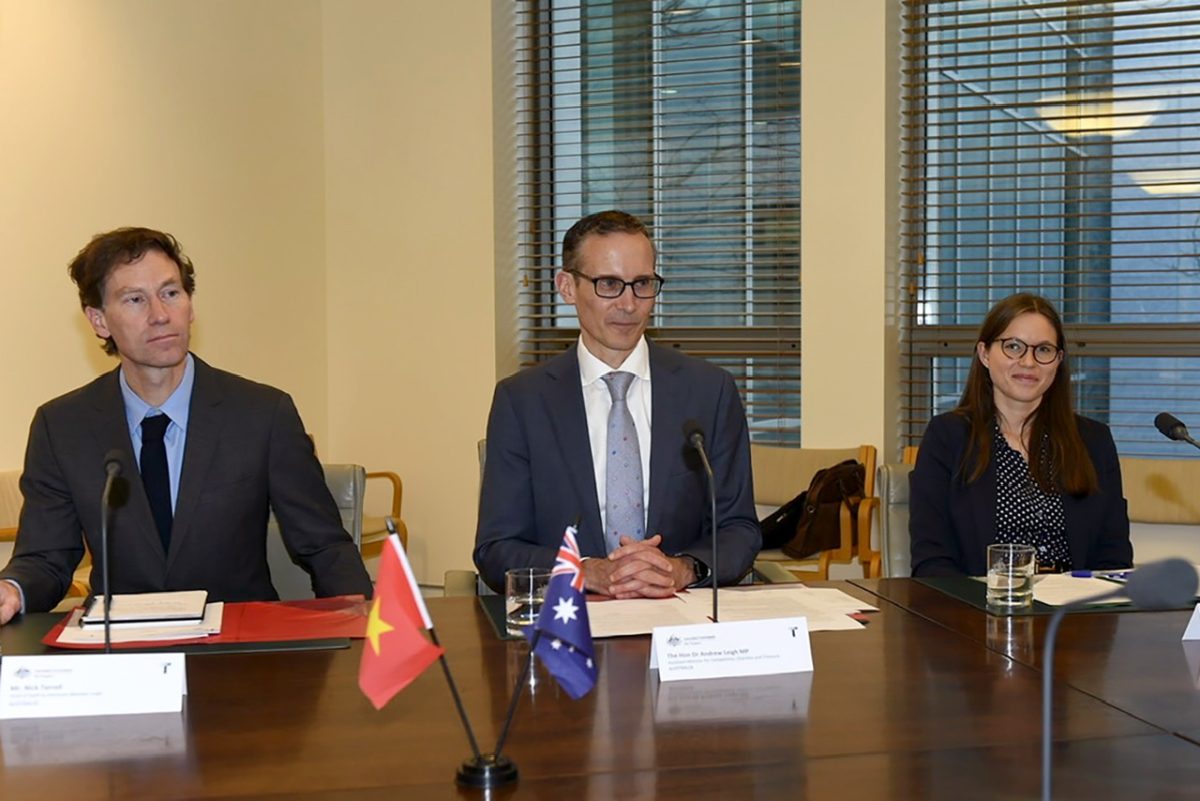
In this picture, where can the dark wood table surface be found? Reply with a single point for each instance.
(915, 706)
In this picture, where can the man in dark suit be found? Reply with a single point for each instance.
(214, 452)
(571, 439)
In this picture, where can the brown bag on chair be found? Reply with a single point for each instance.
(819, 528)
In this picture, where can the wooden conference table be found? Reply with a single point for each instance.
(934, 699)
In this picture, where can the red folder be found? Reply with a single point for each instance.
(264, 621)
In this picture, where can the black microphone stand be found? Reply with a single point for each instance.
(698, 442)
(112, 469)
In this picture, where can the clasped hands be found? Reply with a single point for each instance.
(638, 569)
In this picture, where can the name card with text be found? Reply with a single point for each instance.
(726, 650)
(59, 686)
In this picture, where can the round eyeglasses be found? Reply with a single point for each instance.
(1014, 349)
(609, 287)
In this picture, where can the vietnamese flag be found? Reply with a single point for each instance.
(395, 651)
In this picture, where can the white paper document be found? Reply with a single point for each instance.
(75, 634)
(1059, 589)
(826, 609)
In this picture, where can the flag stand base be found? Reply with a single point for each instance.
(487, 771)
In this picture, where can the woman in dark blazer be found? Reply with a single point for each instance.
(1014, 463)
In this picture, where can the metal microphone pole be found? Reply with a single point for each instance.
(112, 469)
(712, 496)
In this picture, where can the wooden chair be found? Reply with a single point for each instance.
(375, 531)
(782, 473)
(1164, 509)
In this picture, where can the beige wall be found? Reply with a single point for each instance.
(329, 166)
(849, 84)
(204, 119)
(410, 256)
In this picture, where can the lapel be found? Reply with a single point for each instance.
(563, 404)
(667, 396)
(111, 431)
(203, 434)
(983, 504)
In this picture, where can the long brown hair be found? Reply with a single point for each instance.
(1058, 459)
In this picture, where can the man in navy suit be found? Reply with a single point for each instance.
(225, 451)
(548, 455)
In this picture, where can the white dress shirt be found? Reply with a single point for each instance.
(597, 402)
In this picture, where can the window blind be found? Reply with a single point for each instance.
(685, 113)
(1054, 147)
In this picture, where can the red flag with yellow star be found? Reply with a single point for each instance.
(395, 651)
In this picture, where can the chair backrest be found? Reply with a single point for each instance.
(347, 484)
(893, 520)
(10, 511)
(1162, 490)
(780, 474)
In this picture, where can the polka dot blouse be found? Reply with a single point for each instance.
(1025, 514)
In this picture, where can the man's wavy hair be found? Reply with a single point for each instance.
(99, 257)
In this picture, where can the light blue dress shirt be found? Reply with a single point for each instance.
(176, 407)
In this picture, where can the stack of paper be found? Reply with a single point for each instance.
(75, 633)
(827, 609)
(153, 609)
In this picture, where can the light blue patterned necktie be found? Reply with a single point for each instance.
(623, 510)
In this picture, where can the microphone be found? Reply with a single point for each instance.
(1166, 584)
(694, 435)
(112, 469)
(1171, 428)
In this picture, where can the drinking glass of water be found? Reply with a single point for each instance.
(524, 591)
(1011, 568)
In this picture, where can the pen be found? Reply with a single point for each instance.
(1115, 575)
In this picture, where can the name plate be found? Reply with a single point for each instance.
(1192, 632)
(73, 685)
(726, 650)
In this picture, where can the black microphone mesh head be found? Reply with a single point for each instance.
(1167, 584)
(692, 432)
(112, 461)
(1170, 426)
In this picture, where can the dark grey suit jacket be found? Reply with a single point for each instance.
(539, 479)
(246, 451)
(951, 522)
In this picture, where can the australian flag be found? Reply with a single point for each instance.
(565, 641)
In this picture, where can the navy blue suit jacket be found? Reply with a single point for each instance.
(246, 453)
(952, 522)
(538, 475)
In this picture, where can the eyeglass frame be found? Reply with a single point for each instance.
(631, 285)
(1058, 352)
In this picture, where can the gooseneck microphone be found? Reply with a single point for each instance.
(694, 435)
(1170, 427)
(112, 469)
(1167, 584)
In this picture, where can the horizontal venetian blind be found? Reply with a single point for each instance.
(1054, 147)
(686, 114)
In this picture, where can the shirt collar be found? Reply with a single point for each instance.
(176, 407)
(592, 369)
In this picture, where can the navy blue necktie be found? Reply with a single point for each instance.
(156, 478)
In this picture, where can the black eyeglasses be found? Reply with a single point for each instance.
(610, 287)
(1014, 349)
